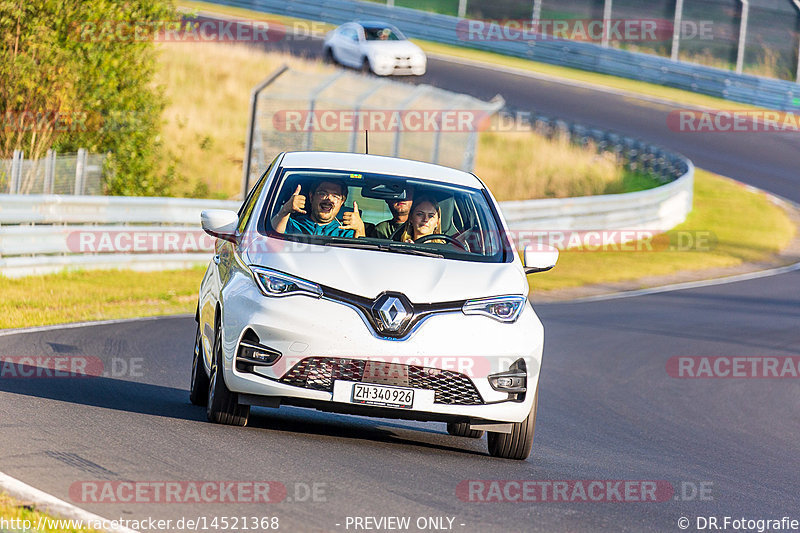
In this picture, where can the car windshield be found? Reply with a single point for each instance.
(396, 215)
(383, 33)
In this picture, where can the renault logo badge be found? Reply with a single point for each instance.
(392, 313)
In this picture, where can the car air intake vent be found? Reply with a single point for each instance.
(318, 373)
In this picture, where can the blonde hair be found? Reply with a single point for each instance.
(407, 229)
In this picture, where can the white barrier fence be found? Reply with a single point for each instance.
(48, 233)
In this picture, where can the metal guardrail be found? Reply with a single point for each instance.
(47, 233)
(54, 209)
(754, 90)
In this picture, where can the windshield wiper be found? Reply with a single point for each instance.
(360, 245)
(350, 243)
(411, 251)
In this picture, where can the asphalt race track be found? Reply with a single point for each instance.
(608, 408)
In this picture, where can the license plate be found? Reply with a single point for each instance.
(383, 396)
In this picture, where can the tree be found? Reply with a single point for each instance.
(79, 73)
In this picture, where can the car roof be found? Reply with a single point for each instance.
(374, 23)
(379, 164)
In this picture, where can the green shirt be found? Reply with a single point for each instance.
(385, 229)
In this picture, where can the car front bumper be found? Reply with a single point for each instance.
(301, 327)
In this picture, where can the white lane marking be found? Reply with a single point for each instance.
(683, 286)
(52, 505)
(71, 325)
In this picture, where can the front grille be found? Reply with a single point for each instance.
(319, 373)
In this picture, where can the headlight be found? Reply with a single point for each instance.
(274, 283)
(502, 308)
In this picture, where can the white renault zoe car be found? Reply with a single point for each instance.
(374, 286)
(374, 46)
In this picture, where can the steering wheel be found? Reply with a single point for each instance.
(446, 238)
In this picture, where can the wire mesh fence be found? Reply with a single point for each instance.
(331, 112)
(78, 173)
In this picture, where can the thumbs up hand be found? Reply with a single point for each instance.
(352, 220)
(295, 204)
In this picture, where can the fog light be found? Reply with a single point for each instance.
(257, 354)
(504, 383)
(513, 380)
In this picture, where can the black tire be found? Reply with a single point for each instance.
(517, 444)
(461, 429)
(223, 405)
(365, 66)
(327, 56)
(198, 390)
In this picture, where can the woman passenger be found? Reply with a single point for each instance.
(425, 218)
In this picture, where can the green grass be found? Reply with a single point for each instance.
(12, 509)
(582, 76)
(96, 295)
(745, 227)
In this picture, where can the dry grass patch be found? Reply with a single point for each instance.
(524, 164)
(205, 123)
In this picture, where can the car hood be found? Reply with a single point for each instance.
(392, 47)
(368, 273)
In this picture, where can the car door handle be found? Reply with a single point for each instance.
(216, 259)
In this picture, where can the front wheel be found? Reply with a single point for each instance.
(223, 405)
(198, 389)
(366, 68)
(518, 443)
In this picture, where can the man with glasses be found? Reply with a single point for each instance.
(327, 198)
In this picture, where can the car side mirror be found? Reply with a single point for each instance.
(539, 258)
(220, 223)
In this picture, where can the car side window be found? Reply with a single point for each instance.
(252, 199)
(350, 33)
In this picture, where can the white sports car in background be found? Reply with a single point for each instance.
(374, 46)
(315, 299)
